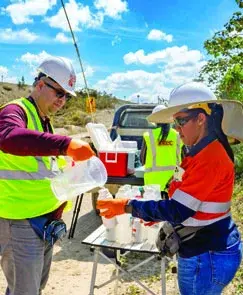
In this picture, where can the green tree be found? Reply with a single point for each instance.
(22, 81)
(225, 68)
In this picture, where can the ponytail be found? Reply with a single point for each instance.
(164, 132)
(214, 126)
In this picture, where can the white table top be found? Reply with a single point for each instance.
(97, 238)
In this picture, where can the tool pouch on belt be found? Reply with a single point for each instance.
(170, 238)
(48, 230)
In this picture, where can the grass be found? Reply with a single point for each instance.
(236, 286)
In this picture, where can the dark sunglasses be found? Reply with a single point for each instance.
(59, 93)
(181, 121)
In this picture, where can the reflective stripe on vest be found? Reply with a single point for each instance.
(206, 212)
(42, 172)
(157, 168)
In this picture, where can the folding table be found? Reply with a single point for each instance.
(97, 240)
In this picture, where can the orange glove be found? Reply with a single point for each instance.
(79, 150)
(111, 208)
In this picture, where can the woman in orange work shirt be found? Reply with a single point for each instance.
(200, 196)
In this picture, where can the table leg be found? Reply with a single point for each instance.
(75, 216)
(118, 256)
(94, 270)
(163, 276)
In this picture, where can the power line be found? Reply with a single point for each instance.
(79, 58)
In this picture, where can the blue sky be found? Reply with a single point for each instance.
(128, 48)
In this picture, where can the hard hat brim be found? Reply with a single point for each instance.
(232, 120)
(70, 92)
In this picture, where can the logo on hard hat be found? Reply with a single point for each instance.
(72, 80)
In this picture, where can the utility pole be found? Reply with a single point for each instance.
(138, 98)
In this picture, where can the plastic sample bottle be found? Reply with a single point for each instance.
(109, 223)
(124, 221)
(137, 230)
(152, 192)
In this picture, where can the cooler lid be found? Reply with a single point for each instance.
(100, 136)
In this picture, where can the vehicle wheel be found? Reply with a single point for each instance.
(94, 201)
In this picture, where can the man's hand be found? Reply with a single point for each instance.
(79, 150)
(111, 208)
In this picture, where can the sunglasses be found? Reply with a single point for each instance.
(181, 121)
(59, 93)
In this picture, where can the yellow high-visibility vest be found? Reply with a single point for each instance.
(24, 180)
(161, 160)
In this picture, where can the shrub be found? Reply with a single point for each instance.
(7, 88)
(238, 152)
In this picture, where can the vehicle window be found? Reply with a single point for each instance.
(136, 119)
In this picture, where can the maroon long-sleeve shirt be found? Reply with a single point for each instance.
(16, 139)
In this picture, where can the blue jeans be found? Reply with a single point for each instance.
(208, 273)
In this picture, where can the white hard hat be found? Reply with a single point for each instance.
(61, 70)
(158, 108)
(193, 92)
(197, 95)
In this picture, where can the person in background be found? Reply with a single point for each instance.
(29, 157)
(201, 193)
(160, 153)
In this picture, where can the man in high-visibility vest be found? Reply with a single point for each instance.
(29, 157)
(161, 152)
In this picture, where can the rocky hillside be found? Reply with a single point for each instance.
(9, 91)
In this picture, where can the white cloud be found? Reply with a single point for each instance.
(33, 60)
(21, 11)
(62, 38)
(88, 71)
(176, 65)
(179, 74)
(112, 8)
(5, 77)
(116, 40)
(159, 35)
(20, 36)
(3, 71)
(80, 15)
(148, 85)
(173, 55)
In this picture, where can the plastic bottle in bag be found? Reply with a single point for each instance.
(137, 230)
(152, 192)
(109, 223)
